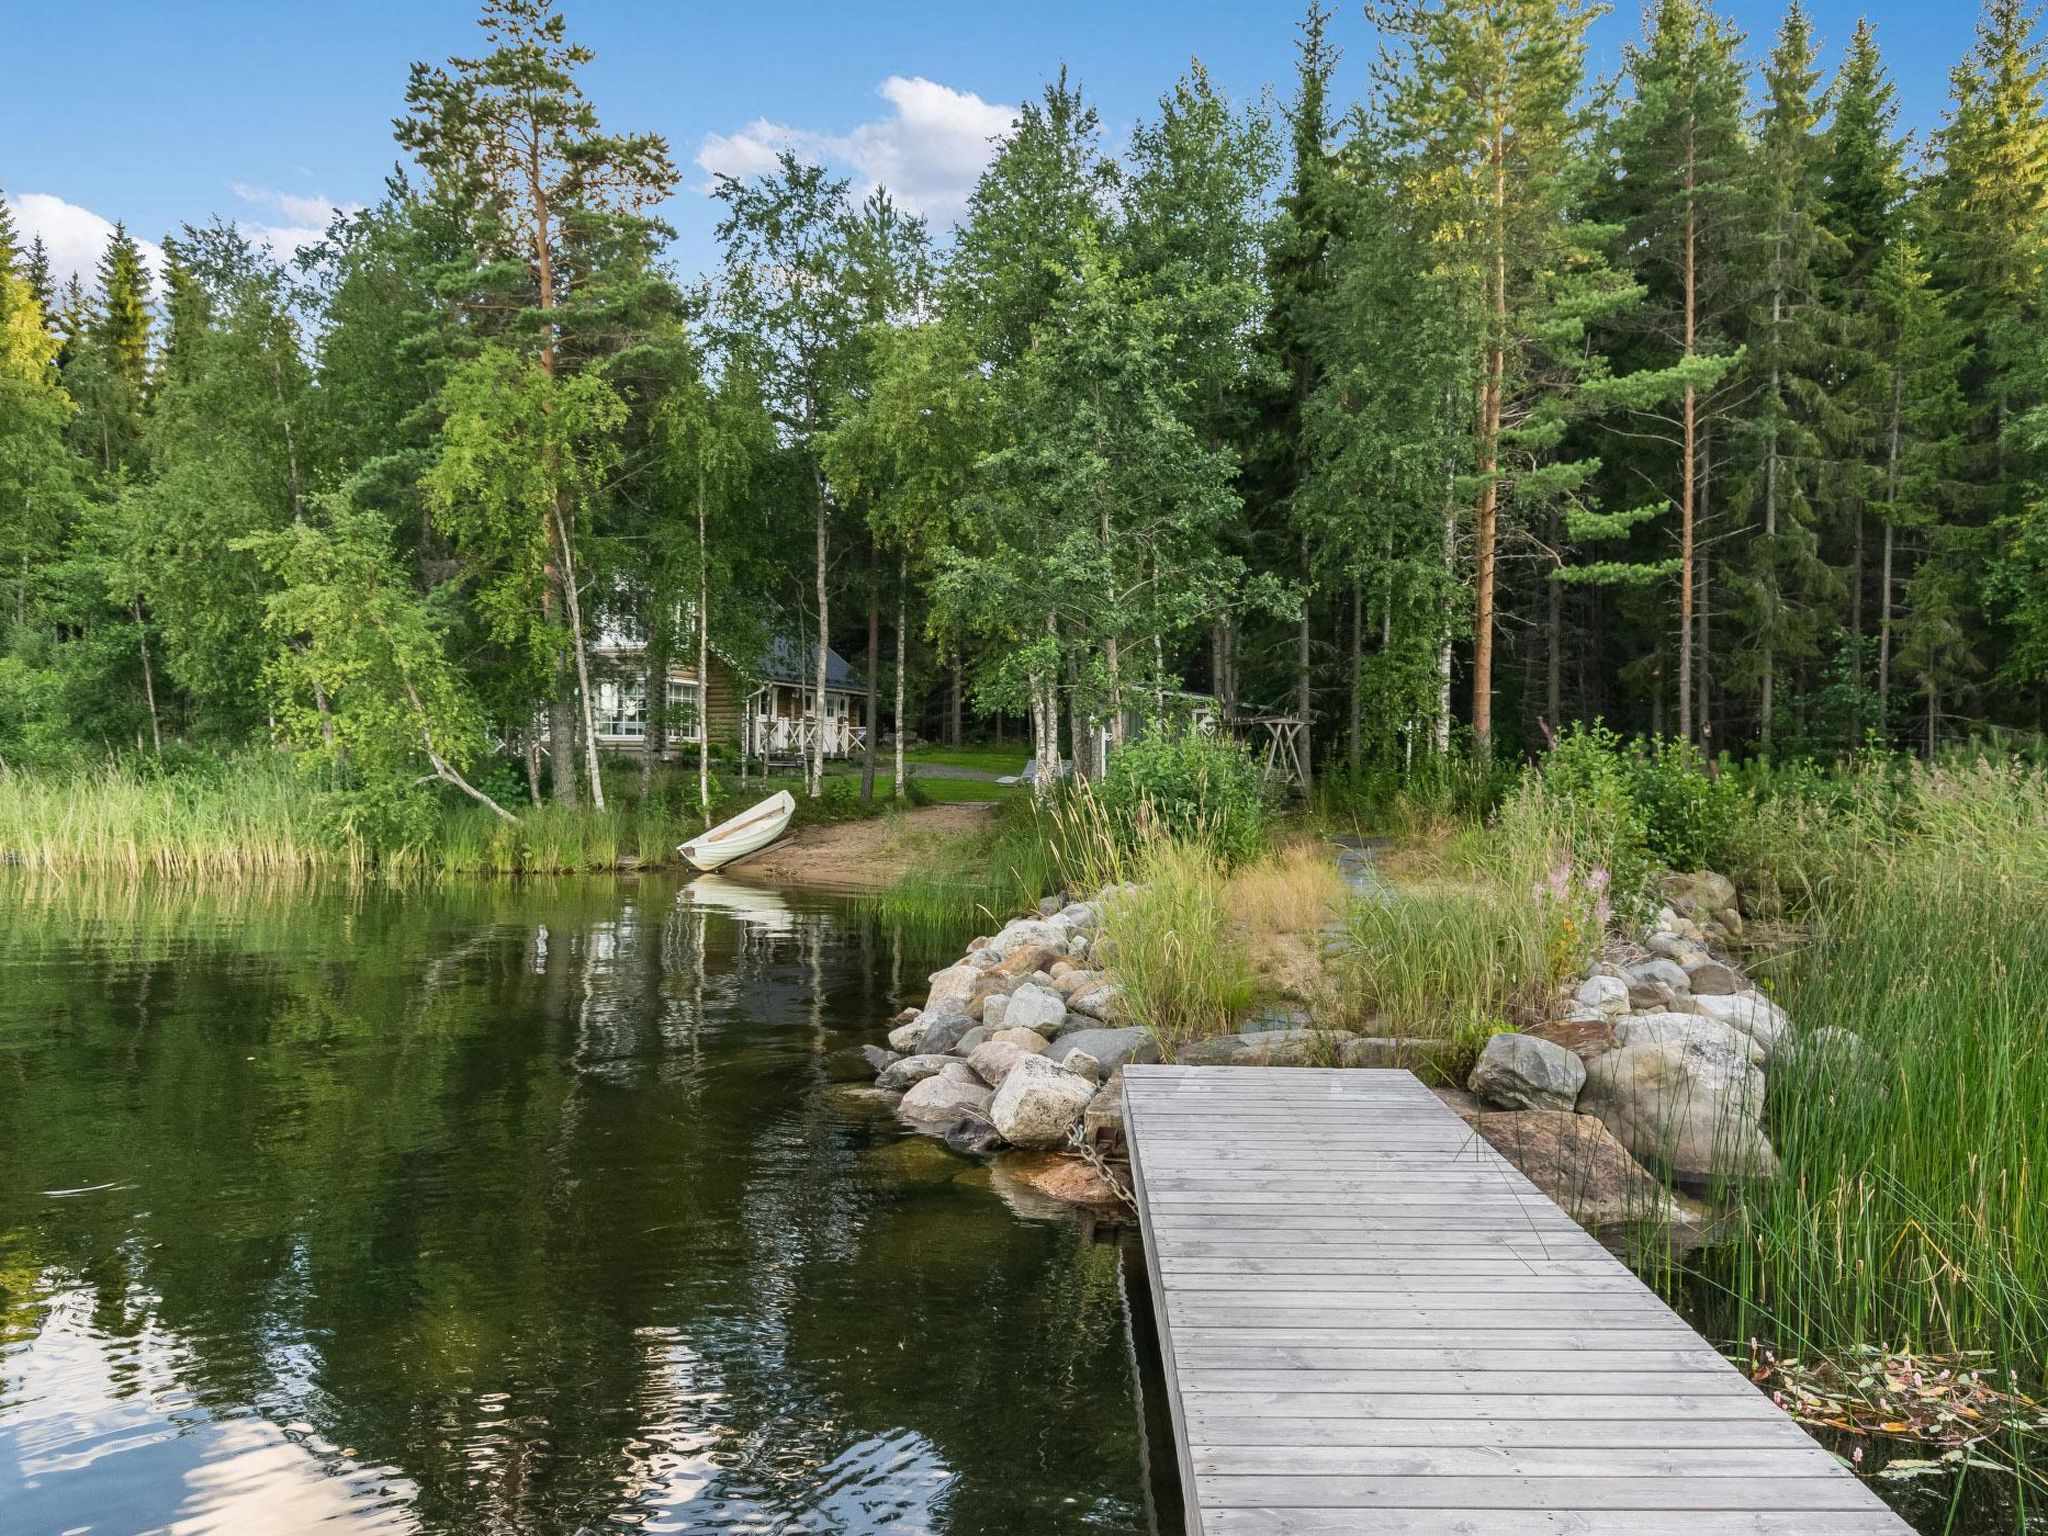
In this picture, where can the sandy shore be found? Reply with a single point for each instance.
(858, 855)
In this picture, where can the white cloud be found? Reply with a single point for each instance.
(928, 151)
(75, 237)
(307, 218)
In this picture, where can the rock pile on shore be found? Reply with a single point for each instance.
(1019, 1043)
(1658, 1063)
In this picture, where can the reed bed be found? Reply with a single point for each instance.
(248, 816)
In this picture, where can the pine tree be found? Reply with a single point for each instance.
(1488, 103)
(1678, 162)
(559, 211)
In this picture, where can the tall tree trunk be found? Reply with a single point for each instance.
(1487, 459)
(867, 757)
(1690, 431)
(1884, 598)
(815, 770)
(574, 604)
(562, 737)
(1443, 644)
(1767, 689)
(1704, 655)
(902, 648)
(1304, 697)
(531, 752)
(1354, 748)
(704, 666)
(1553, 640)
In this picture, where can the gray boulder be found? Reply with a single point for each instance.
(943, 1031)
(941, 1101)
(1083, 1065)
(951, 989)
(1039, 1103)
(1023, 931)
(1752, 1013)
(992, 1010)
(1607, 994)
(993, 1059)
(1111, 1047)
(1523, 1072)
(879, 1060)
(1099, 1001)
(1710, 978)
(1672, 947)
(1683, 1093)
(1033, 1007)
(1576, 1161)
(906, 1038)
(910, 1071)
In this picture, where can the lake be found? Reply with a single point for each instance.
(518, 1208)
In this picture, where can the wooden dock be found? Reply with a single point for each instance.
(1372, 1323)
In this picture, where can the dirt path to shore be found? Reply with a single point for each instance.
(859, 855)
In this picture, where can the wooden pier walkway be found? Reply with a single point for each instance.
(1372, 1323)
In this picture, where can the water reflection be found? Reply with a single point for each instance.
(512, 1208)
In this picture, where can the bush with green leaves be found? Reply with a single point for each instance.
(1190, 787)
(1584, 793)
(1688, 813)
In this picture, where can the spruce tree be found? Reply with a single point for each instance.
(1781, 582)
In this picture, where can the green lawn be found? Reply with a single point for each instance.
(1005, 759)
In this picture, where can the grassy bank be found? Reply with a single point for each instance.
(255, 814)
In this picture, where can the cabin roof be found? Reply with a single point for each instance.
(789, 661)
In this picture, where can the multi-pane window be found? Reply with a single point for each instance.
(622, 711)
(685, 710)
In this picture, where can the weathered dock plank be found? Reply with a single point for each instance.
(1371, 1322)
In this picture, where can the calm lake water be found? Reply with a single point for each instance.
(518, 1208)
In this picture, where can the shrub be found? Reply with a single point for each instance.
(1188, 787)
(1688, 814)
(1583, 795)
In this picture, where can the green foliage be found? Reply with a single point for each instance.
(1584, 794)
(1688, 809)
(1187, 787)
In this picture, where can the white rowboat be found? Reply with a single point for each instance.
(749, 832)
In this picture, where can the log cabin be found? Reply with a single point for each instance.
(767, 711)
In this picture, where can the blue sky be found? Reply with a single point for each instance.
(270, 113)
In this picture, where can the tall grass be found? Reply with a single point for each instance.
(1181, 962)
(1912, 1210)
(971, 884)
(248, 815)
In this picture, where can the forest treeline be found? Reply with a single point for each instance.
(1702, 399)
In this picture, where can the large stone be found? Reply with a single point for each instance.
(1039, 1103)
(905, 1039)
(1672, 947)
(879, 1060)
(1752, 1013)
(1710, 978)
(972, 1041)
(1101, 1001)
(951, 988)
(1076, 980)
(992, 1010)
(1081, 1063)
(942, 1100)
(1700, 895)
(1071, 1180)
(1577, 1161)
(1685, 1094)
(942, 1032)
(1655, 983)
(910, 1071)
(1030, 1039)
(1584, 1038)
(1267, 1048)
(1029, 931)
(1111, 1047)
(1524, 1072)
(993, 1059)
(1082, 915)
(1033, 1007)
(993, 985)
(1026, 958)
(1607, 994)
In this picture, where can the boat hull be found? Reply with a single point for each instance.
(749, 832)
